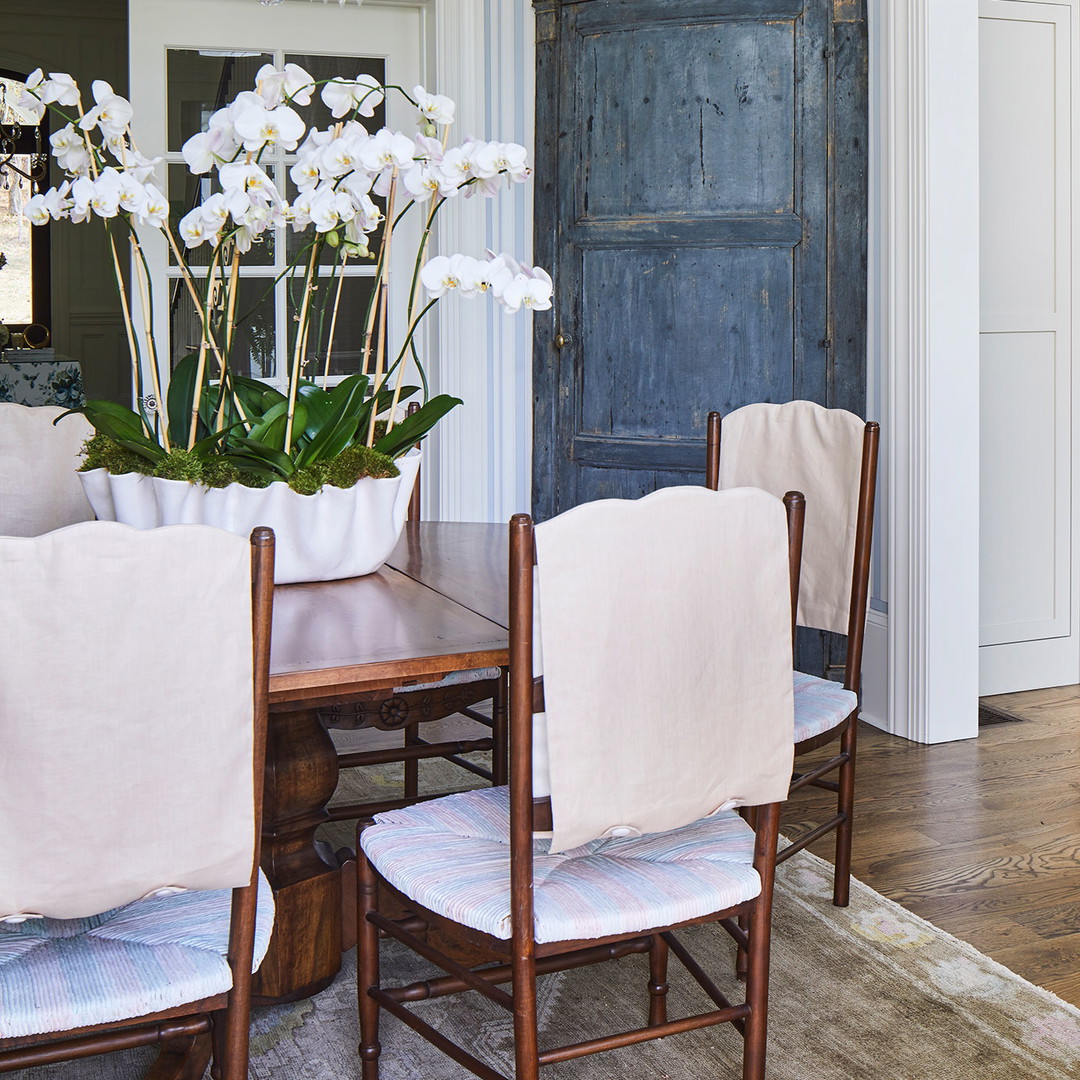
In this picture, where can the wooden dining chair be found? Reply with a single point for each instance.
(133, 702)
(404, 708)
(619, 823)
(831, 456)
(39, 488)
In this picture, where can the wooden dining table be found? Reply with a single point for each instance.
(438, 605)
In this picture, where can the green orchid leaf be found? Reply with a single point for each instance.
(267, 456)
(339, 428)
(180, 395)
(415, 427)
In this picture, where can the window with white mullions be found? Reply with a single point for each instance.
(200, 82)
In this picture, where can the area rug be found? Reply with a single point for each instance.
(868, 992)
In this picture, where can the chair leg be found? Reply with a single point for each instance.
(741, 960)
(182, 1059)
(499, 734)
(658, 984)
(367, 964)
(412, 767)
(845, 805)
(757, 997)
(526, 1036)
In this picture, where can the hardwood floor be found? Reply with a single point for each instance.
(980, 837)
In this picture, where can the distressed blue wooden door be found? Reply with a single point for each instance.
(701, 202)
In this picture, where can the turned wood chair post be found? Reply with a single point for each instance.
(795, 506)
(238, 1016)
(522, 561)
(853, 668)
(712, 451)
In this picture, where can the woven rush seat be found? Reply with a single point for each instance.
(145, 957)
(453, 857)
(820, 705)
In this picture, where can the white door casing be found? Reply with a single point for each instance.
(1029, 588)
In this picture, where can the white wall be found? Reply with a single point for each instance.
(924, 364)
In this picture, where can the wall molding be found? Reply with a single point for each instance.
(930, 364)
(482, 54)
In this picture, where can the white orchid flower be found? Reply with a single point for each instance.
(259, 127)
(299, 212)
(434, 108)
(197, 153)
(82, 191)
(31, 105)
(531, 290)
(275, 86)
(132, 193)
(358, 183)
(193, 229)
(343, 96)
(421, 181)
(155, 210)
(59, 87)
(445, 273)
(483, 158)
(305, 174)
(456, 167)
(340, 156)
(56, 201)
(250, 178)
(112, 113)
(69, 149)
(215, 212)
(387, 150)
(36, 211)
(134, 163)
(105, 200)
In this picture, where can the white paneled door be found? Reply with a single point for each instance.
(1028, 393)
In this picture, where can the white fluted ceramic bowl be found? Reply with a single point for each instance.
(335, 533)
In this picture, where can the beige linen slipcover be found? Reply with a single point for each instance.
(666, 642)
(802, 446)
(39, 488)
(126, 708)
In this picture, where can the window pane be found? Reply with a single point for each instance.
(321, 68)
(25, 143)
(16, 293)
(253, 345)
(201, 81)
(356, 293)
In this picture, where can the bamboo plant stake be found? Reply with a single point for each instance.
(333, 319)
(384, 288)
(298, 351)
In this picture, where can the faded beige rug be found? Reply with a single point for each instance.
(870, 992)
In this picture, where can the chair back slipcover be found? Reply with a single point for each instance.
(665, 628)
(802, 446)
(126, 711)
(39, 490)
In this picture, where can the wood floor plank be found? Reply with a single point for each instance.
(981, 837)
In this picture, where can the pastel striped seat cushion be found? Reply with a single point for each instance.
(820, 705)
(59, 974)
(455, 678)
(452, 855)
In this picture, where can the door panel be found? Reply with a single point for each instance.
(1028, 579)
(691, 228)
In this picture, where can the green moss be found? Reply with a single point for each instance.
(218, 474)
(357, 461)
(102, 452)
(343, 471)
(180, 465)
